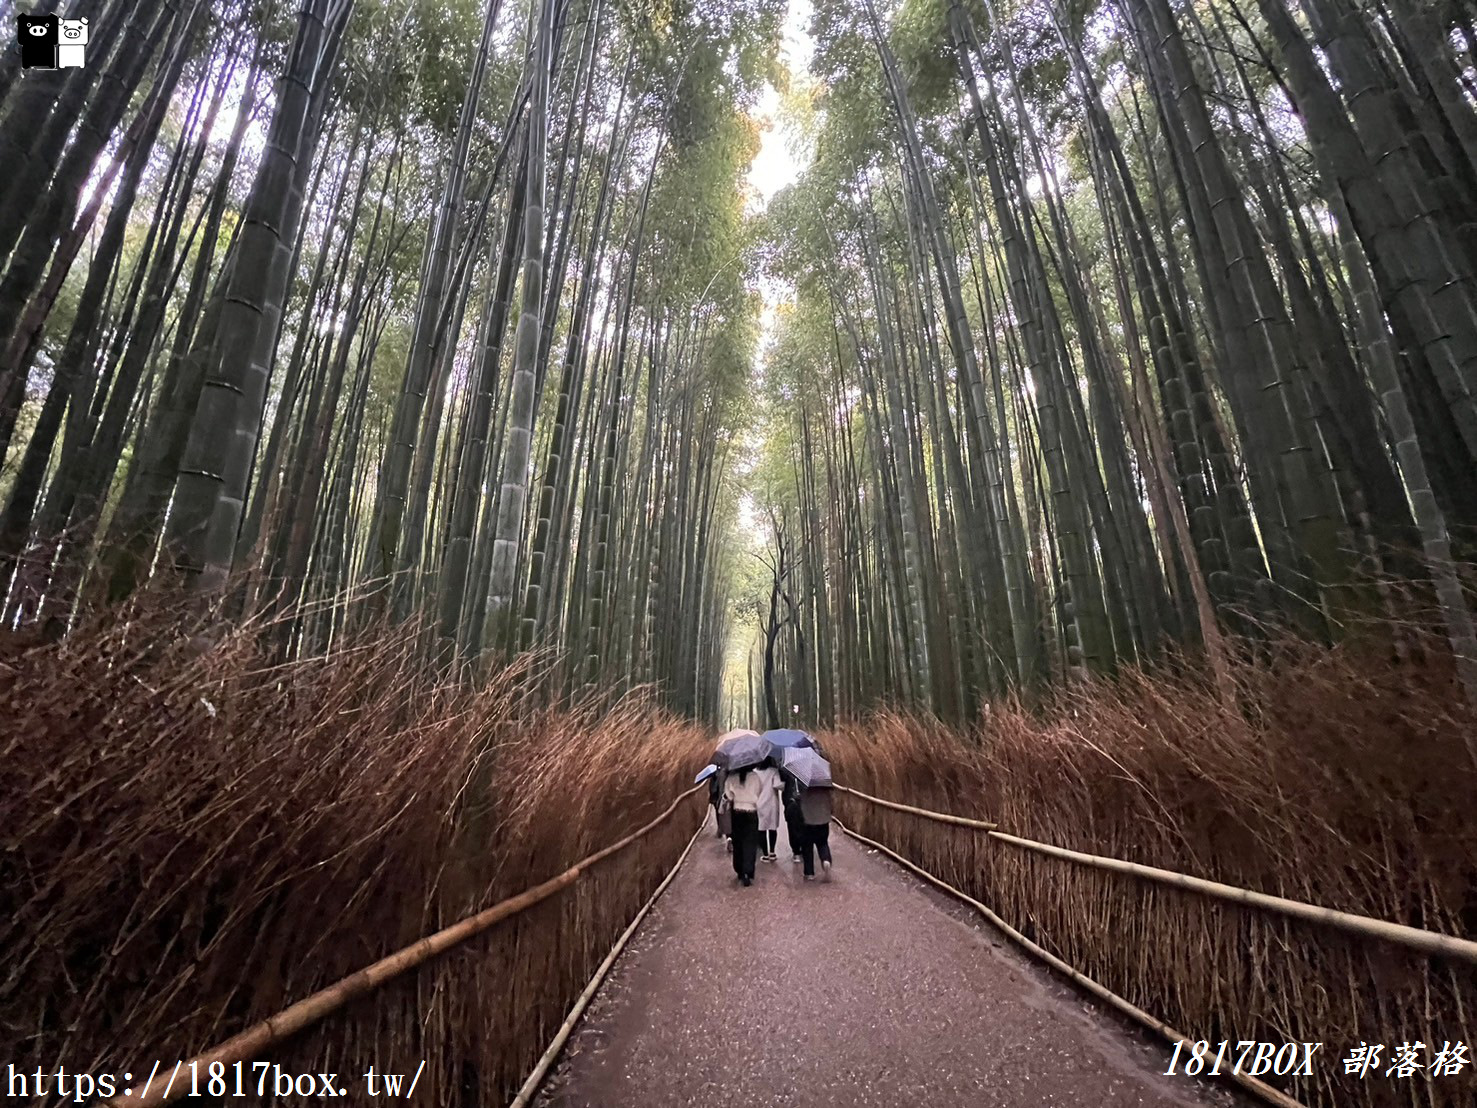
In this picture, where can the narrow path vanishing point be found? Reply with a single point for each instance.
(870, 991)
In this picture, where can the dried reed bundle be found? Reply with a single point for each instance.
(194, 839)
(1337, 780)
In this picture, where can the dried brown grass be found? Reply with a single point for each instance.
(193, 840)
(1338, 780)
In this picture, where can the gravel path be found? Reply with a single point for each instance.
(870, 991)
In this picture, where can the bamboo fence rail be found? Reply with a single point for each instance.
(1250, 1084)
(1412, 938)
(257, 1038)
(941, 817)
(536, 1076)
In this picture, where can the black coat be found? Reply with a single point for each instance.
(791, 798)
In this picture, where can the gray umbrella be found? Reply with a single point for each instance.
(741, 751)
(808, 767)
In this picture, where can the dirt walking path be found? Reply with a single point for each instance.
(870, 991)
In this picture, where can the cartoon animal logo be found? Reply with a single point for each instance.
(71, 52)
(39, 37)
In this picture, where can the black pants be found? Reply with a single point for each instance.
(817, 841)
(795, 831)
(745, 842)
(768, 840)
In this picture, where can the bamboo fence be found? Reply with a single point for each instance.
(310, 1010)
(1412, 938)
(1250, 1084)
(536, 1076)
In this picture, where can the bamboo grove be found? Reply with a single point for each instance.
(1114, 327)
(1117, 325)
(348, 310)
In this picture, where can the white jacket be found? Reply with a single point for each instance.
(770, 808)
(744, 795)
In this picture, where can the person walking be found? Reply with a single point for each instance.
(769, 808)
(815, 809)
(794, 821)
(743, 792)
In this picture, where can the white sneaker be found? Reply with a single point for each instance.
(825, 871)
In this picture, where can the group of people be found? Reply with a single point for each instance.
(749, 803)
